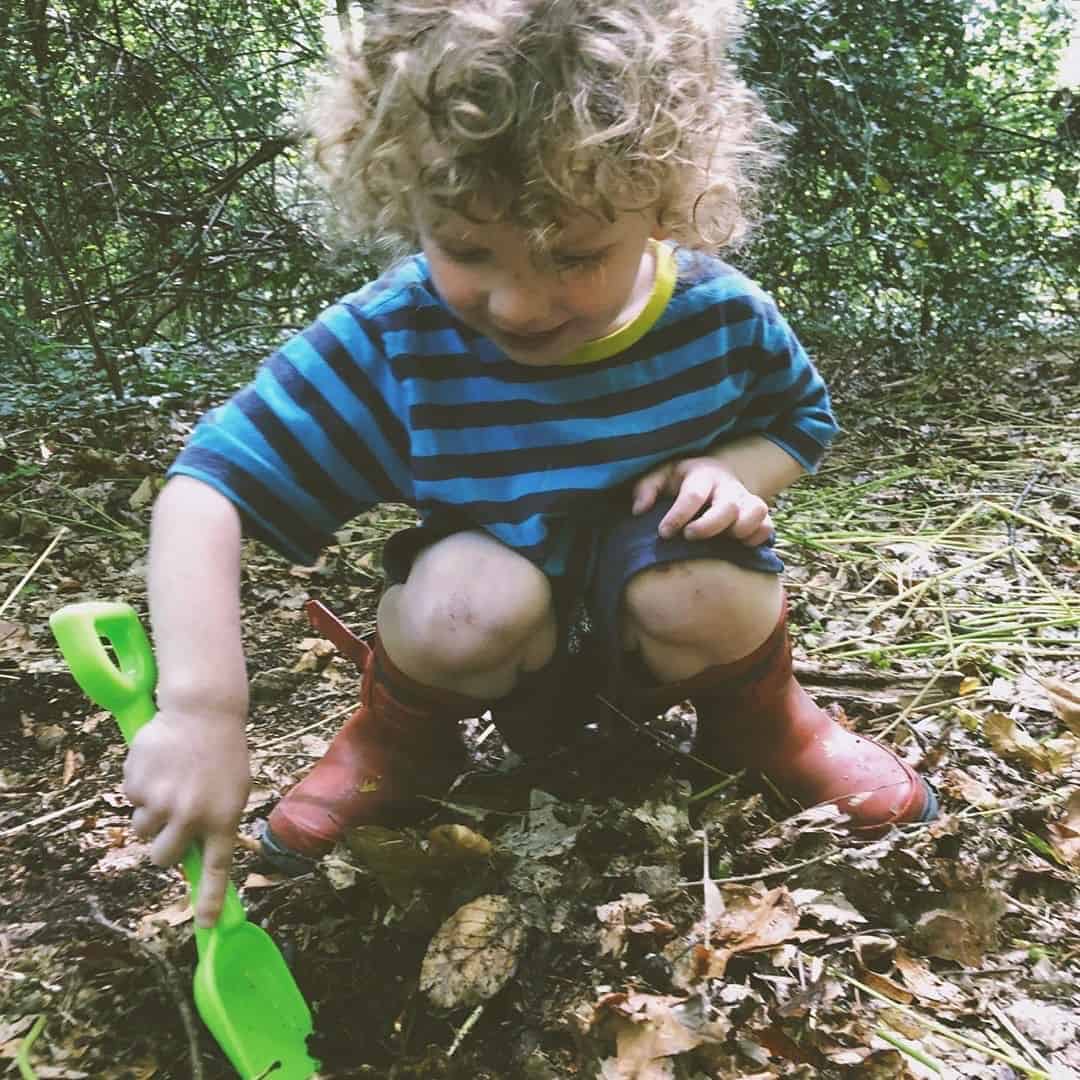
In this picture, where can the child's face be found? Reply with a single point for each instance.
(596, 278)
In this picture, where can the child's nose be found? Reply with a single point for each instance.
(520, 307)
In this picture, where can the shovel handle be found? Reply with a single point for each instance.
(124, 686)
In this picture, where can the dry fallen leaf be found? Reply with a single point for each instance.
(752, 918)
(1065, 834)
(965, 930)
(923, 983)
(650, 1030)
(831, 908)
(1012, 742)
(317, 653)
(957, 782)
(175, 914)
(1065, 698)
(458, 843)
(886, 986)
(474, 954)
(615, 918)
(395, 859)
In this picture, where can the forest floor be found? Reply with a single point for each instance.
(648, 926)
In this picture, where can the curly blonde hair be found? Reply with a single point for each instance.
(533, 108)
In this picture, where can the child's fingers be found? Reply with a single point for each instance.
(753, 512)
(168, 846)
(647, 490)
(762, 536)
(716, 520)
(146, 822)
(217, 858)
(684, 509)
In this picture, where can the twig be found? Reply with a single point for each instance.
(470, 1023)
(910, 1049)
(760, 874)
(73, 809)
(171, 980)
(22, 1058)
(33, 570)
(1010, 526)
(947, 1032)
(1022, 1042)
(304, 730)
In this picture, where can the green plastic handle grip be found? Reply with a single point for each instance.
(126, 688)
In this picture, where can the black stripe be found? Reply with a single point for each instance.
(306, 470)
(522, 411)
(799, 441)
(260, 498)
(415, 319)
(352, 374)
(341, 435)
(661, 339)
(777, 402)
(584, 504)
(668, 439)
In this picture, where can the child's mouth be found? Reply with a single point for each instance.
(530, 341)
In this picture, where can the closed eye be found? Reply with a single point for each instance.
(580, 260)
(469, 255)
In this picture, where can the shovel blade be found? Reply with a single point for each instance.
(248, 999)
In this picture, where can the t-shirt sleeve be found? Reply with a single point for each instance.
(786, 400)
(313, 440)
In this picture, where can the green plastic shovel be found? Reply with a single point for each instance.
(244, 990)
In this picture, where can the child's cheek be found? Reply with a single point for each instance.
(458, 287)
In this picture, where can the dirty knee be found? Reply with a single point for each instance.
(717, 609)
(479, 614)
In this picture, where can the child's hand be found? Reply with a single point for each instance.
(187, 777)
(704, 484)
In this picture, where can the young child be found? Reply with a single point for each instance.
(581, 400)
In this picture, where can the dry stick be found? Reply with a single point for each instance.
(1069, 537)
(304, 730)
(33, 570)
(1022, 1042)
(947, 1032)
(902, 716)
(465, 1028)
(1010, 527)
(760, 874)
(171, 980)
(26, 825)
(1062, 601)
(910, 1049)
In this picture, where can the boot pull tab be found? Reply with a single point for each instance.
(334, 630)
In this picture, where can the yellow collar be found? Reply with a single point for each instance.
(633, 331)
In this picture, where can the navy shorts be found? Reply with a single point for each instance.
(588, 604)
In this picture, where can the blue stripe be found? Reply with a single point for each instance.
(356, 465)
(388, 396)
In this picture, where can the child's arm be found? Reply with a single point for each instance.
(188, 772)
(730, 486)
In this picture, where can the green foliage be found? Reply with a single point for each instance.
(150, 173)
(929, 168)
(152, 195)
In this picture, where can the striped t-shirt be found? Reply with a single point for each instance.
(389, 397)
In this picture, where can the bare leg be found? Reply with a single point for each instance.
(688, 616)
(472, 616)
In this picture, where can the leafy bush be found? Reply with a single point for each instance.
(151, 189)
(930, 164)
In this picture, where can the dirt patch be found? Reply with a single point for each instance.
(656, 922)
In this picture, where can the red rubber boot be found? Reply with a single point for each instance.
(752, 714)
(400, 744)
